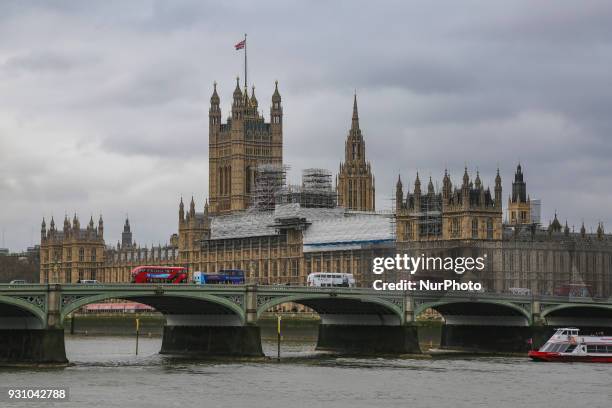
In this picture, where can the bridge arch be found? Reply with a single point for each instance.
(557, 308)
(480, 308)
(18, 312)
(579, 315)
(167, 304)
(330, 304)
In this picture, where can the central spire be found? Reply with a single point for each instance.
(355, 121)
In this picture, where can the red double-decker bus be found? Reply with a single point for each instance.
(159, 274)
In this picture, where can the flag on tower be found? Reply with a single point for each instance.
(240, 45)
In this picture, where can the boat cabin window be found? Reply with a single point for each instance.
(598, 349)
(556, 347)
(560, 348)
(567, 332)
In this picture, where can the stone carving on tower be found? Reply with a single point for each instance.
(238, 146)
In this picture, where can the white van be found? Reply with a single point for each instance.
(331, 279)
(88, 282)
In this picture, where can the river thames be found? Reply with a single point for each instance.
(105, 372)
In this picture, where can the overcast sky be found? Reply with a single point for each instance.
(103, 105)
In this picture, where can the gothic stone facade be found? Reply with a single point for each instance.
(72, 254)
(467, 222)
(470, 212)
(542, 260)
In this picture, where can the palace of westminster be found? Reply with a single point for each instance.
(278, 234)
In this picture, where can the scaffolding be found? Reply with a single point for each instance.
(393, 218)
(430, 216)
(315, 192)
(270, 179)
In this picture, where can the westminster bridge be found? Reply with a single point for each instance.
(223, 319)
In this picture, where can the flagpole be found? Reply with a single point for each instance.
(245, 61)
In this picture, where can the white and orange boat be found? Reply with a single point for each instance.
(567, 345)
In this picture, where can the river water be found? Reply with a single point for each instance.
(107, 373)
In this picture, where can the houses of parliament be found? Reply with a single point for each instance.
(299, 233)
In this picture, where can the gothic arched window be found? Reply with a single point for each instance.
(489, 228)
(456, 228)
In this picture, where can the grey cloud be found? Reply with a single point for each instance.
(47, 61)
(109, 99)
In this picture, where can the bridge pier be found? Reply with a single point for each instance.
(501, 339)
(205, 341)
(25, 346)
(361, 339)
(27, 339)
(215, 334)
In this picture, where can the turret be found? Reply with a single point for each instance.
(417, 193)
(399, 194)
(253, 101)
(76, 225)
(214, 113)
(181, 211)
(52, 225)
(276, 116)
(245, 99)
(555, 225)
(465, 189)
(430, 187)
(481, 192)
(477, 182)
(600, 231)
(498, 189)
(583, 230)
(466, 179)
(417, 185)
(519, 187)
(237, 103)
(101, 226)
(91, 223)
(66, 226)
(446, 187)
(43, 230)
(126, 235)
(192, 208)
